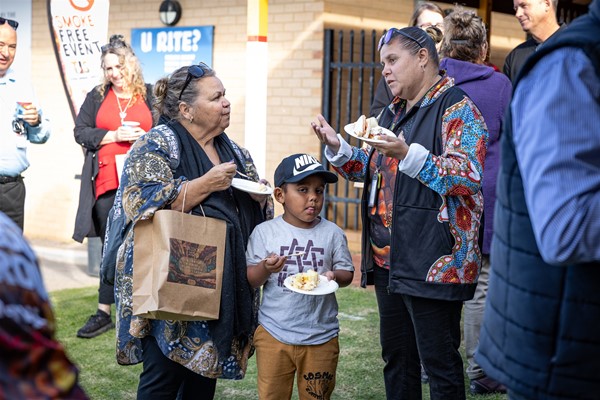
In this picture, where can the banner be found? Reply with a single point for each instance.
(79, 29)
(20, 11)
(162, 50)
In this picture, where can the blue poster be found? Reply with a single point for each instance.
(162, 50)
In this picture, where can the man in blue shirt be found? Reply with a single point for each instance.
(541, 336)
(20, 122)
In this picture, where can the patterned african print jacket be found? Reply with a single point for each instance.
(437, 202)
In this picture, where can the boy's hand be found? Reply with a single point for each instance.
(274, 263)
(330, 275)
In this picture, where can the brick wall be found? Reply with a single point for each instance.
(295, 73)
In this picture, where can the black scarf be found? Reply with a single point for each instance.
(242, 214)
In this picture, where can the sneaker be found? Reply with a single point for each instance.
(486, 385)
(424, 377)
(95, 325)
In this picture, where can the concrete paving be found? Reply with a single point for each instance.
(64, 265)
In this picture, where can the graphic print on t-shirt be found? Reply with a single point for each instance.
(311, 259)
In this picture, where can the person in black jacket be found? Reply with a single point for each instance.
(421, 211)
(538, 19)
(113, 115)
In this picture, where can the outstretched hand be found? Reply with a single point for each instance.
(325, 133)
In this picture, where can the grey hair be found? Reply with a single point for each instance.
(168, 89)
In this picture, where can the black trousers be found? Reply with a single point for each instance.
(164, 379)
(12, 200)
(414, 327)
(106, 292)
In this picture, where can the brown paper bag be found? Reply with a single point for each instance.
(178, 266)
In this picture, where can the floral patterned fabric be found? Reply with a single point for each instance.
(148, 185)
(455, 175)
(33, 364)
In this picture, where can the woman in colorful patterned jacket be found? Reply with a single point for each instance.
(421, 211)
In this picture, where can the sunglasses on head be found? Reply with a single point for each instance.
(11, 22)
(385, 39)
(115, 45)
(194, 72)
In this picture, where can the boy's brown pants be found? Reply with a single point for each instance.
(277, 363)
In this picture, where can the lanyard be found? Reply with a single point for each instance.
(375, 182)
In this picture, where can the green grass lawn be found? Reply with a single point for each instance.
(359, 373)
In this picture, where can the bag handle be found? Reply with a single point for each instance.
(183, 206)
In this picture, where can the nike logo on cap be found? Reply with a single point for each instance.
(305, 163)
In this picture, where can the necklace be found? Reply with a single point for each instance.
(122, 111)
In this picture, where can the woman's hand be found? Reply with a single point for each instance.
(261, 198)
(326, 134)
(219, 177)
(394, 147)
(128, 134)
(216, 179)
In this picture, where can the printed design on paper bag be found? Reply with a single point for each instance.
(318, 384)
(192, 264)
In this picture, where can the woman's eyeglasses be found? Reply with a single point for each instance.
(194, 72)
(14, 24)
(385, 39)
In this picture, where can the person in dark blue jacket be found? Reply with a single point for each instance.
(541, 330)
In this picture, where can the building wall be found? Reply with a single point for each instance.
(295, 39)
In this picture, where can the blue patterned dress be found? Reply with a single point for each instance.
(147, 185)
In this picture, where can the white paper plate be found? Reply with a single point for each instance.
(250, 186)
(350, 131)
(325, 286)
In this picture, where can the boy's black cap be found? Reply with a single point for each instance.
(296, 167)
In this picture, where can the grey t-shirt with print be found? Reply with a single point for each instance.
(291, 317)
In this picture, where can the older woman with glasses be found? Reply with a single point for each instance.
(420, 231)
(99, 129)
(189, 155)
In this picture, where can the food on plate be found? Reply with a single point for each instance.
(306, 280)
(367, 127)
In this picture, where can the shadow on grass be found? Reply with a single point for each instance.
(359, 373)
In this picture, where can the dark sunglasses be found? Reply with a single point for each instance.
(385, 39)
(11, 22)
(194, 72)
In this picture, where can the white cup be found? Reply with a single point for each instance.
(130, 124)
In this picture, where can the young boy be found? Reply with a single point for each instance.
(297, 333)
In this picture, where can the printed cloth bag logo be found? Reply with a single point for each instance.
(178, 266)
